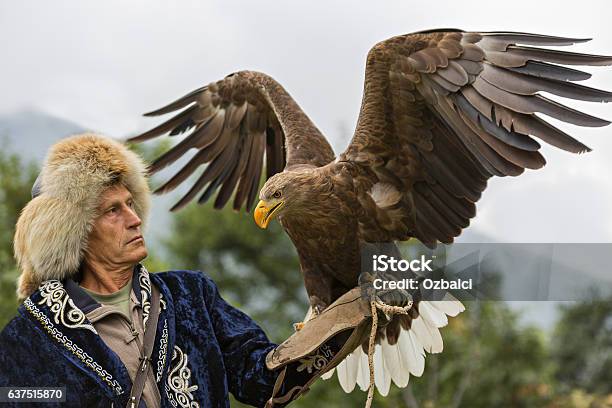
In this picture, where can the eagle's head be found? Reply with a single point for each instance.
(286, 193)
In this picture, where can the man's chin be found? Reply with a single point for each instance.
(139, 254)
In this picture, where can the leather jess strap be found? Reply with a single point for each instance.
(145, 359)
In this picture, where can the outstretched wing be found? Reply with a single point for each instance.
(444, 111)
(232, 123)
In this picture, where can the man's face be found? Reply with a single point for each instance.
(116, 239)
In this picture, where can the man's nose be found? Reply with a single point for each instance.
(133, 220)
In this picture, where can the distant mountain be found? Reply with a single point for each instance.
(30, 132)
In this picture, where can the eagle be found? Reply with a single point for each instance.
(442, 112)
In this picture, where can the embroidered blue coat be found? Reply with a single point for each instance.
(204, 347)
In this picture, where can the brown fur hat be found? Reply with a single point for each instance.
(52, 230)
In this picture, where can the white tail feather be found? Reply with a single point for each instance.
(329, 374)
(347, 371)
(363, 375)
(432, 315)
(449, 305)
(382, 377)
(429, 335)
(416, 355)
(396, 362)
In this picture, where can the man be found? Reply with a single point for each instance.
(97, 323)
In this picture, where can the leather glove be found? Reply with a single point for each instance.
(319, 346)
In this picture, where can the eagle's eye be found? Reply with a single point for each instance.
(277, 194)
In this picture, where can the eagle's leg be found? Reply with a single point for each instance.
(319, 287)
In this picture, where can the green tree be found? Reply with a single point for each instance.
(16, 180)
(582, 346)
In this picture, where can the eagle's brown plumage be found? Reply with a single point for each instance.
(235, 121)
(442, 112)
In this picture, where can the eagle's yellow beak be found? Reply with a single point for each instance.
(264, 212)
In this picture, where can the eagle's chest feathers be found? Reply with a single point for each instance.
(326, 226)
(329, 220)
(326, 238)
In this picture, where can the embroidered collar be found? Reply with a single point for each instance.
(86, 303)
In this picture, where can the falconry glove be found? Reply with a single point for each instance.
(323, 342)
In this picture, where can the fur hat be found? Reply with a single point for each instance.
(52, 230)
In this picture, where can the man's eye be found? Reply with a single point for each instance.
(112, 210)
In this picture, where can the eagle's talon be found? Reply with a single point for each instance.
(298, 326)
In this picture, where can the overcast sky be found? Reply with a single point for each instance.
(102, 65)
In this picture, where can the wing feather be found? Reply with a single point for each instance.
(524, 85)
(252, 171)
(179, 103)
(212, 171)
(238, 168)
(534, 104)
(447, 110)
(228, 118)
(180, 120)
(550, 71)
